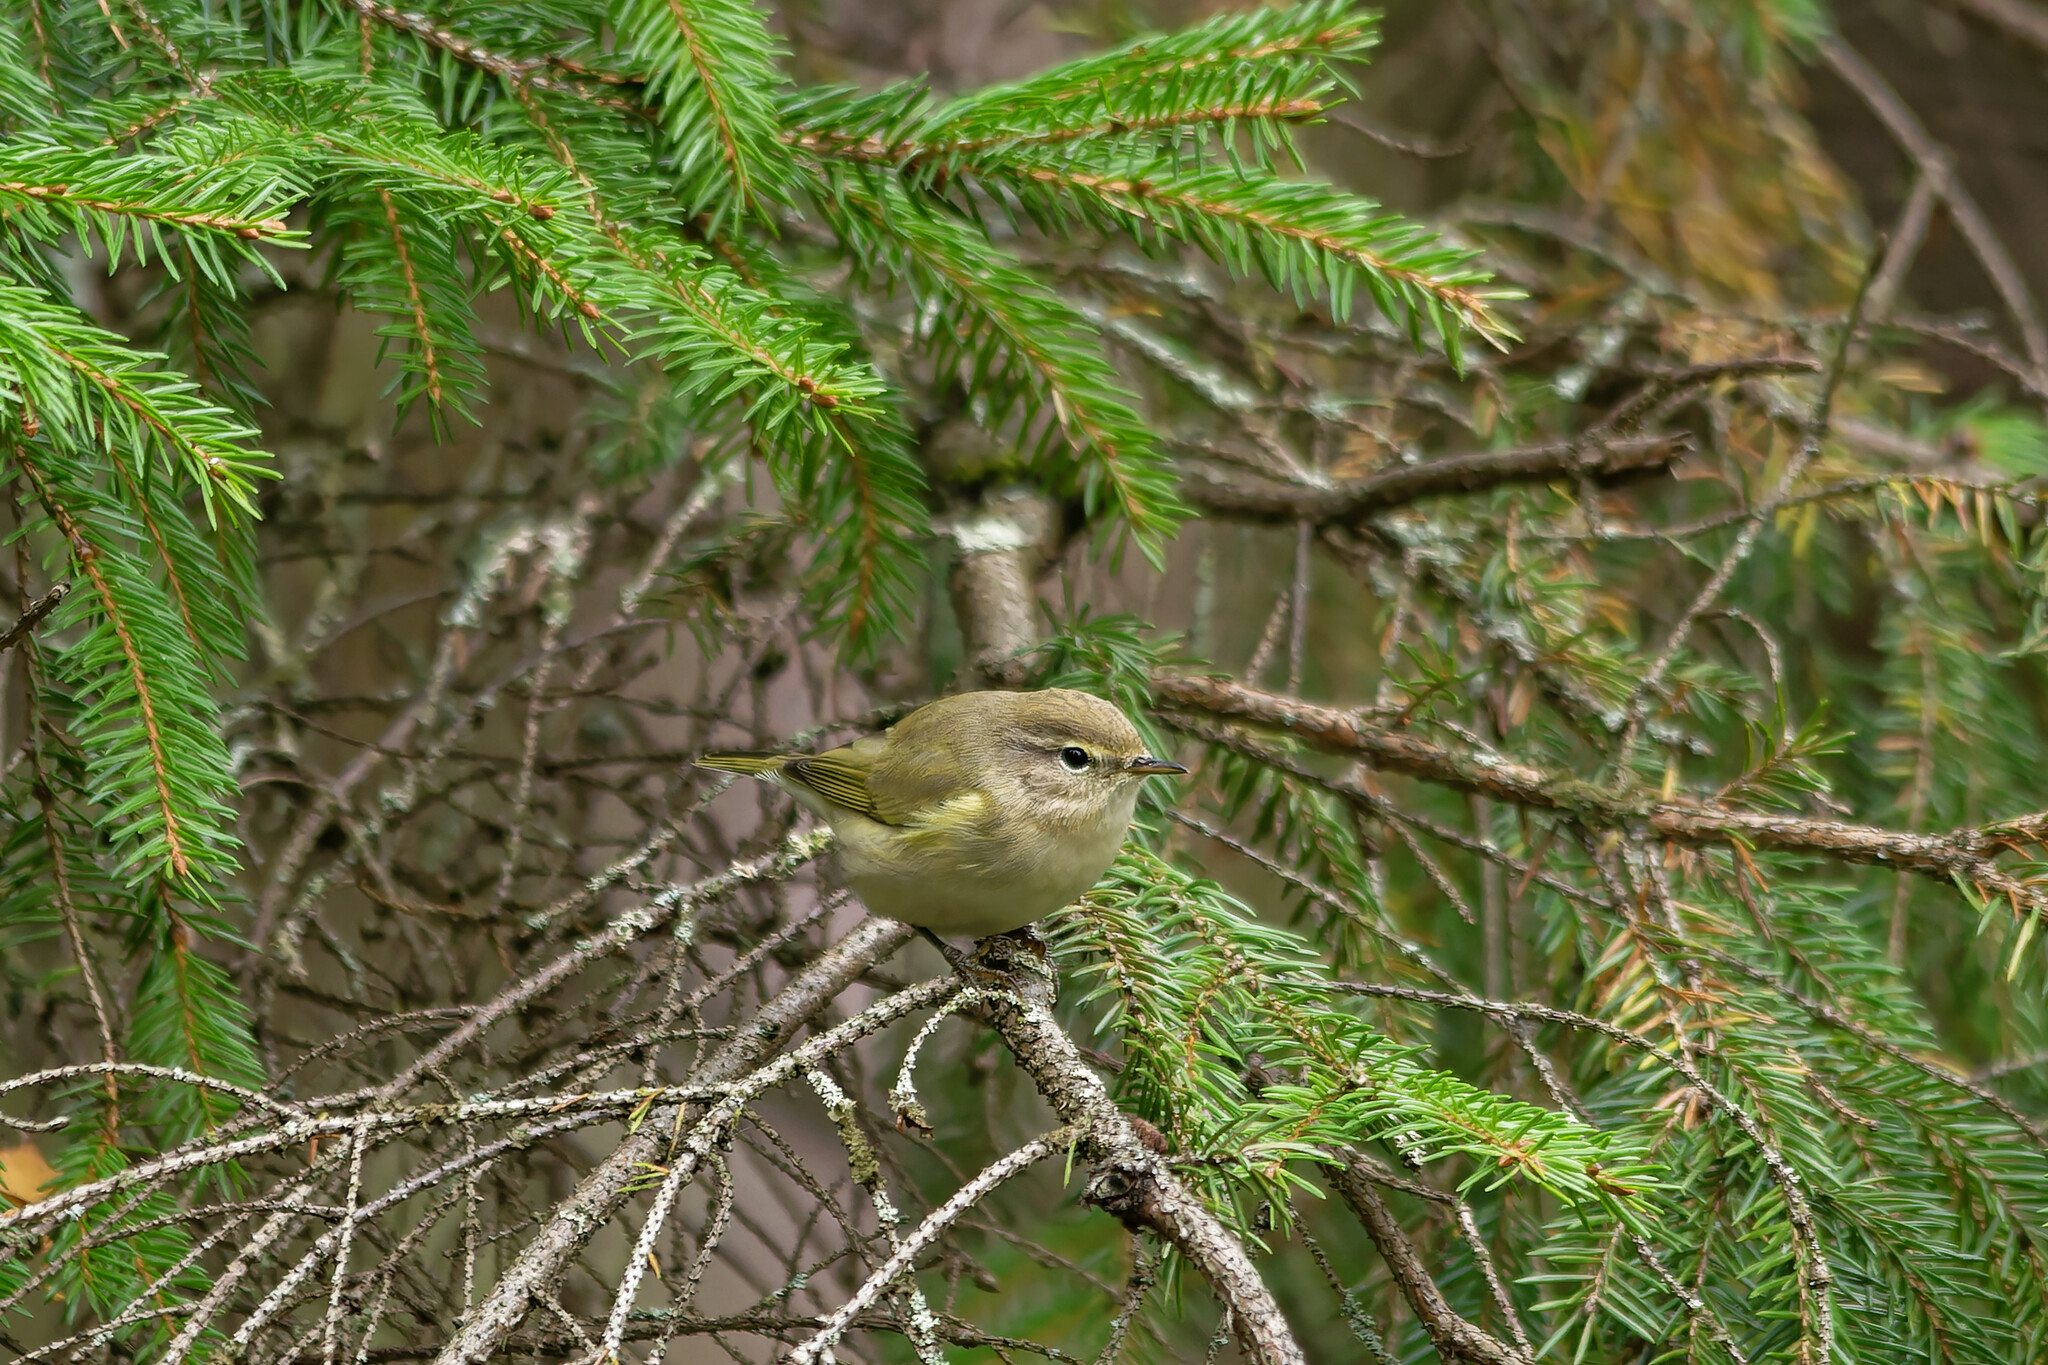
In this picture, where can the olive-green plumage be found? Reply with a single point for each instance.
(976, 814)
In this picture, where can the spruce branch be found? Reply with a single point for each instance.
(499, 937)
(931, 152)
(1014, 335)
(68, 197)
(1288, 47)
(166, 823)
(1302, 238)
(711, 64)
(72, 376)
(1964, 856)
(422, 334)
(1255, 72)
(528, 71)
(1200, 986)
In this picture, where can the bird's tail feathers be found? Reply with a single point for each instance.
(743, 763)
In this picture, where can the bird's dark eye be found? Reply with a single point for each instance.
(1074, 759)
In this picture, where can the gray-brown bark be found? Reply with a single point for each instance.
(1129, 1179)
(1455, 1338)
(1002, 548)
(1966, 853)
(1267, 500)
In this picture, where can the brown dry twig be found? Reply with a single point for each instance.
(1267, 500)
(1964, 855)
(32, 616)
(1937, 166)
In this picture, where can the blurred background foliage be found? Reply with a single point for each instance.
(449, 421)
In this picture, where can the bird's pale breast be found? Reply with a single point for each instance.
(965, 877)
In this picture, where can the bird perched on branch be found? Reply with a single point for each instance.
(976, 814)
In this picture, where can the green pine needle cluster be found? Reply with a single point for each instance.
(1237, 1049)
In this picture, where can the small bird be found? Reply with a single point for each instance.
(975, 814)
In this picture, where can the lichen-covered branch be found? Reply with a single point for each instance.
(600, 1194)
(1129, 1179)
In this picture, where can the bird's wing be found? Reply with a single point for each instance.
(886, 783)
(838, 775)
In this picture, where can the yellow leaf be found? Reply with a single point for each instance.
(1909, 376)
(1520, 700)
(24, 1176)
(1802, 535)
(2028, 923)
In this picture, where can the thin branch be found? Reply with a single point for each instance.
(2021, 19)
(1816, 1279)
(1267, 501)
(1717, 582)
(600, 1195)
(1906, 238)
(1936, 164)
(927, 1232)
(1454, 1337)
(32, 616)
(1347, 115)
(623, 930)
(1967, 855)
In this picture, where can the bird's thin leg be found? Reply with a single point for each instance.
(956, 959)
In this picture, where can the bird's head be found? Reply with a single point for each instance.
(1075, 753)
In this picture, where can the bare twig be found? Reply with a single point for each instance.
(1233, 496)
(626, 928)
(1455, 1337)
(2021, 19)
(927, 1232)
(32, 616)
(1745, 539)
(1938, 168)
(1907, 236)
(600, 1194)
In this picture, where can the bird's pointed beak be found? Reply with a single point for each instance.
(1145, 765)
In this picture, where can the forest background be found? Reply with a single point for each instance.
(1599, 594)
